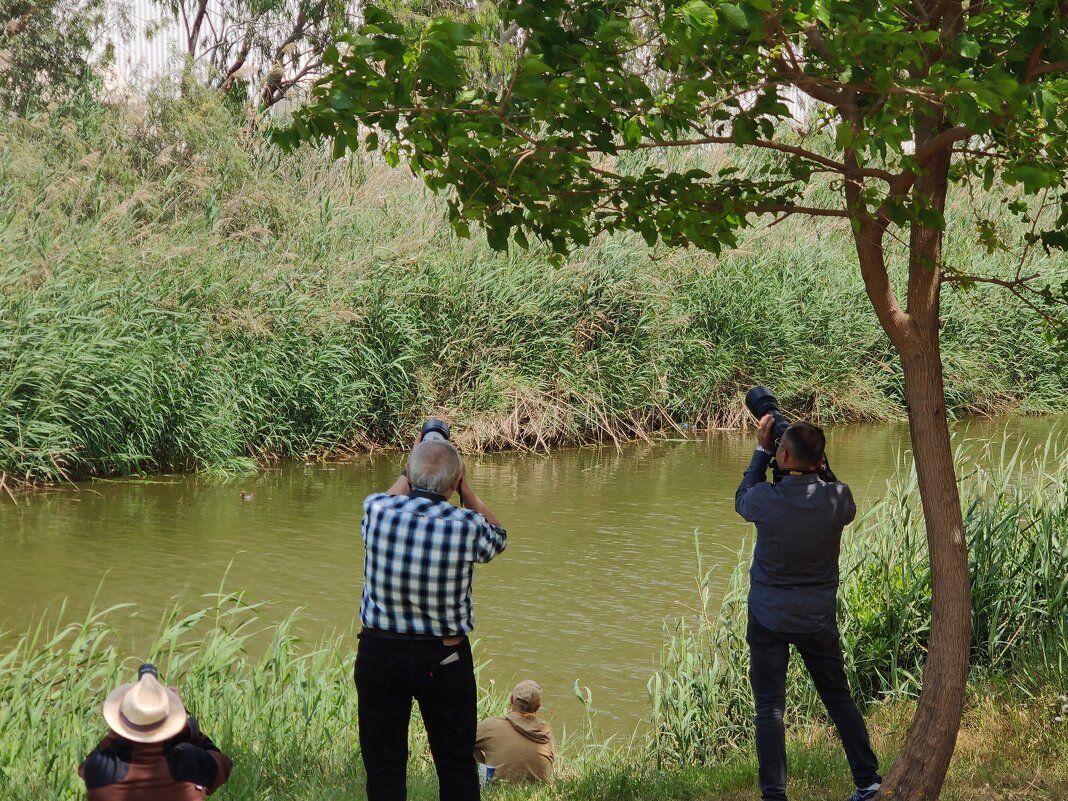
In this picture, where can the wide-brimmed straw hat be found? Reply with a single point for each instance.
(144, 711)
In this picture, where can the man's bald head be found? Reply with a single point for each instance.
(434, 466)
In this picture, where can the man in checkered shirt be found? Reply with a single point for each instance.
(416, 613)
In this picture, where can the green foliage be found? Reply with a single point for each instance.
(174, 295)
(1015, 516)
(600, 77)
(45, 51)
(285, 710)
(908, 98)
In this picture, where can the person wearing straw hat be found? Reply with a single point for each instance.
(519, 746)
(155, 751)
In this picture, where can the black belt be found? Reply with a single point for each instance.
(381, 634)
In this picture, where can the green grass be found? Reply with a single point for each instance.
(285, 710)
(177, 295)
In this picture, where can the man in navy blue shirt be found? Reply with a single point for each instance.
(416, 612)
(793, 584)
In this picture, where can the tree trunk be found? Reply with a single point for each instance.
(920, 768)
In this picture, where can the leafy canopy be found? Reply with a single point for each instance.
(873, 93)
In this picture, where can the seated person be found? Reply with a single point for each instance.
(154, 751)
(519, 746)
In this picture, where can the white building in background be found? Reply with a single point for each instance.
(147, 42)
(150, 41)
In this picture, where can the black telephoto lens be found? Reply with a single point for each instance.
(147, 667)
(435, 429)
(760, 402)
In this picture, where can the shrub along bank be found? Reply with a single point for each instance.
(176, 295)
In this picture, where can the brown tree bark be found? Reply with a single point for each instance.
(920, 769)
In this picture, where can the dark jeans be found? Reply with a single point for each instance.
(769, 653)
(389, 674)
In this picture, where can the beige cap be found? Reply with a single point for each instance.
(145, 711)
(528, 693)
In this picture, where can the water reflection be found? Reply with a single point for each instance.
(601, 549)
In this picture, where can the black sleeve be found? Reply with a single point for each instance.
(106, 765)
(189, 763)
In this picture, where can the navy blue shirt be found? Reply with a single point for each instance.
(794, 578)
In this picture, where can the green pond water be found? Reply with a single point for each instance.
(600, 549)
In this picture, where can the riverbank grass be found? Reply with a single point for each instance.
(288, 720)
(177, 295)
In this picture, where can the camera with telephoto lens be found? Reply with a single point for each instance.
(434, 429)
(760, 402)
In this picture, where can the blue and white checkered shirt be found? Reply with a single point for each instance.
(418, 562)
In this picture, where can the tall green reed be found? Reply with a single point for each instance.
(1015, 517)
(176, 295)
(280, 714)
(284, 709)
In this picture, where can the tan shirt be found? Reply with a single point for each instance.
(520, 747)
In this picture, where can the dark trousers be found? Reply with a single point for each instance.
(769, 654)
(389, 674)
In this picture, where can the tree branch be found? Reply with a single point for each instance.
(868, 238)
(1007, 283)
(242, 56)
(194, 33)
(931, 147)
(814, 88)
(1019, 288)
(1044, 68)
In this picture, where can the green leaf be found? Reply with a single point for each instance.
(1054, 240)
(843, 135)
(457, 32)
(533, 65)
(1033, 178)
(823, 11)
(632, 133)
(734, 15)
(648, 232)
(743, 131)
(339, 146)
(697, 12)
(969, 48)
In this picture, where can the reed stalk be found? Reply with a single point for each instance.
(177, 295)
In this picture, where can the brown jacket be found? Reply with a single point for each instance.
(519, 746)
(187, 767)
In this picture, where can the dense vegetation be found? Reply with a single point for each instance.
(175, 294)
(288, 716)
